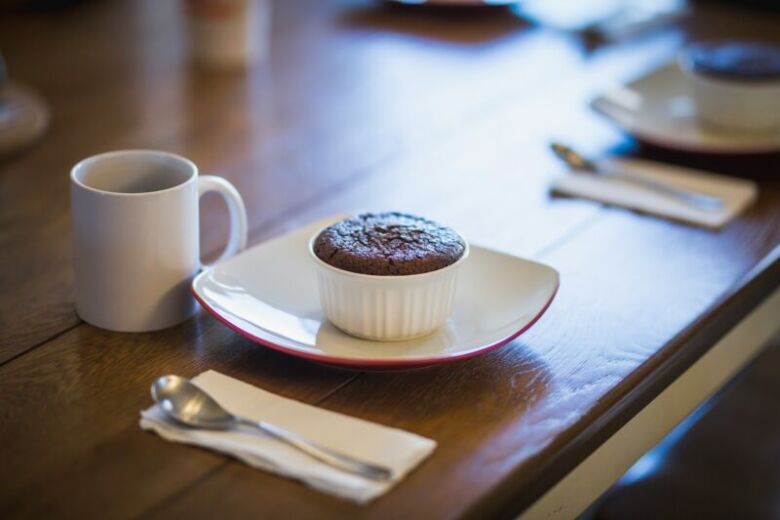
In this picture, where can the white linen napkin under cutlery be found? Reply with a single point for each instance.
(398, 450)
(736, 194)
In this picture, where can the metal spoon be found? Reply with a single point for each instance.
(187, 404)
(580, 163)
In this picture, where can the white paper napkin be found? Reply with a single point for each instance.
(396, 449)
(737, 194)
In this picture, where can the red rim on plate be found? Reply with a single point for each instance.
(376, 363)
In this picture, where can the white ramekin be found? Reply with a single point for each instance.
(742, 105)
(386, 308)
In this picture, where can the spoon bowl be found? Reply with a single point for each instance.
(572, 158)
(189, 405)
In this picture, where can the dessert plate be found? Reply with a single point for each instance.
(657, 108)
(269, 294)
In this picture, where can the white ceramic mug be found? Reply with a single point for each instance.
(136, 241)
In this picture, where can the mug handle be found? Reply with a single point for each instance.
(238, 223)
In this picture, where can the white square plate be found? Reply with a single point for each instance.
(269, 294)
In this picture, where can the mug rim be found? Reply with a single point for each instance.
(131, 151)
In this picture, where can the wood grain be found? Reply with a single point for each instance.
(444, 113)
(85, 440)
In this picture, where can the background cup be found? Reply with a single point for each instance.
(136, 237)
(228, 33)
(743, 105)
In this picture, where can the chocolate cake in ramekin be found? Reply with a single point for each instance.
(387, 276)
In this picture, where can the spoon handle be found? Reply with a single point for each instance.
(694, 198)
(328, 456)
(578, 162)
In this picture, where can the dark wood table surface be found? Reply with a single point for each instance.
(360, 106)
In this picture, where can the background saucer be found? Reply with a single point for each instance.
(657, 108)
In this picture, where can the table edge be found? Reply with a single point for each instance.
(521, 488)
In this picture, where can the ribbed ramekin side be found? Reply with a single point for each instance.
(387, 309)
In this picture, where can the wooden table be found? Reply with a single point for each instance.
(360, 106)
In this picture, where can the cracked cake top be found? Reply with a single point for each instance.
(388, 244)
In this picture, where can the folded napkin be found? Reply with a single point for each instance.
(396, 449)
(737, 194)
